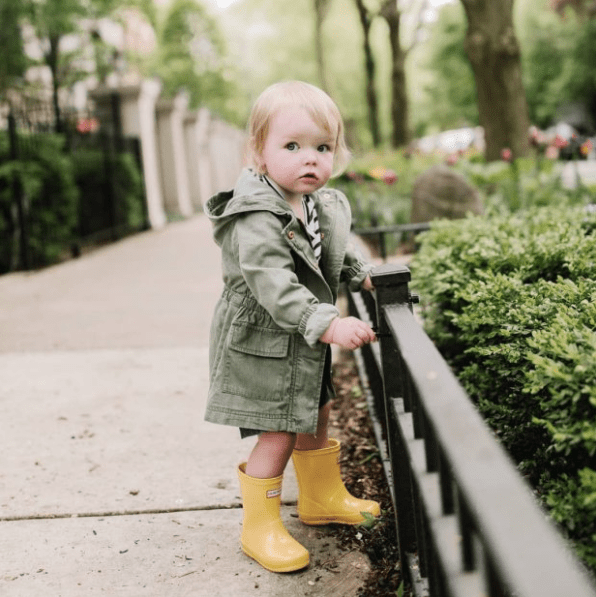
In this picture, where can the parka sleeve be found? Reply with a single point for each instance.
(268, 269)
(355, 269)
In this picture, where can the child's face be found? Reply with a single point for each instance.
(298, 153)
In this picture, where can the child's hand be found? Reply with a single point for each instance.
(348, 332)
(367, 284)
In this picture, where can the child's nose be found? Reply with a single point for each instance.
(311, 156)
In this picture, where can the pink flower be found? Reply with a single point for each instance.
(385, 174)
(87, 125)
(451, 159)
(390, 177)
(536, 136)
(561, 142)
(506, 154)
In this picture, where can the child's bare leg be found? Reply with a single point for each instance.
(307, 441)
(271, 454)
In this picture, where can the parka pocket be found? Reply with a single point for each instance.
(260, 341)
(257, 364)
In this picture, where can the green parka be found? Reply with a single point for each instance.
(266, 361)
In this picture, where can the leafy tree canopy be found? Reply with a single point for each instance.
(191, 55)
(14, 62)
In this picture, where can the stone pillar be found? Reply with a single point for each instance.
(191, 140)
(206, 185)
(137, 113)
(172, 153)
(226, 149)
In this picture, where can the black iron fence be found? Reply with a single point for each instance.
(467, 522)
(61, 193)
(398, 231)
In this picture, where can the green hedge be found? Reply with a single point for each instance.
(511, 303)
(46, 177)
(94, 177)
(66, 196)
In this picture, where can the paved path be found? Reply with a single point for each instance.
(111, 483)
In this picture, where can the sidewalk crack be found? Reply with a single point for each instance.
(108, 513)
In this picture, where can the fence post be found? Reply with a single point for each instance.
(17, 190)
(391, 288)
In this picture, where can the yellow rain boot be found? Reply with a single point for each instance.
(264, 537)
(322, 495)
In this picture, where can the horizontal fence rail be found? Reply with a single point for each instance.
(399, 230)
(467, 523)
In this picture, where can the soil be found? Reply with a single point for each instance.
(364, 477)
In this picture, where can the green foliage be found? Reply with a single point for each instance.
(523, 183)
(50, 197)
(14, 62)
(546, 63)
(509, 301)
(582, 75)
(67, 197)
(559, 57)
(572, 504)
(263, 41)
(450, 93)
(191, 56)
(375, 202)
(116, 180)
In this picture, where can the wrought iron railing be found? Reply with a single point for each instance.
(467, 523)
(398, 231)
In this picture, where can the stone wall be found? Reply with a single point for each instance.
(187, 155)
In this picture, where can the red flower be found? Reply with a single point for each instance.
(506, 154)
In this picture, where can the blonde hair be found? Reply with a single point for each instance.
(321, 108)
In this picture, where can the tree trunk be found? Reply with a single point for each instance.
(493, 50)
(399, 99)
(369, 66)
(321, 7)
(52, 59)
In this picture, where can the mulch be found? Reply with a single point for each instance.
(364, 477)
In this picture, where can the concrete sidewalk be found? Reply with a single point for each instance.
(111, 483)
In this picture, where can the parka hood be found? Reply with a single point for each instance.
(250, 194)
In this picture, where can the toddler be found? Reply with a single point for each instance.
(285, 249)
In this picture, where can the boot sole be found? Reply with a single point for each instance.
(288, 568)
(322, 520)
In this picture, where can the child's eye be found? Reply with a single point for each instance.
(323, 148)
(292, 146)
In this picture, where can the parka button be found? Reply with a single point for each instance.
(326, 196)
(290, 234)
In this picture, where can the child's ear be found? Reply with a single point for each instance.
(257, 158)
(260, 164)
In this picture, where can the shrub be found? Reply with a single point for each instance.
(111, 192)
(511, 304)
(67, 197)
(50, 196)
